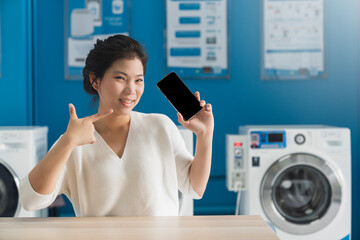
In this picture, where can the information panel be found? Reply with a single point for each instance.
(293, 39)
(85, 22)
(197, 44)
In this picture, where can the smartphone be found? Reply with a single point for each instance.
(179, 95)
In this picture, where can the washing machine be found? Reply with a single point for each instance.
(298, 178)
(21, 148)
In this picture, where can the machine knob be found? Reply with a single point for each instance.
(300, 139)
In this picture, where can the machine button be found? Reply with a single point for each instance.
(300, 139)
(238, 153)
(256, 161)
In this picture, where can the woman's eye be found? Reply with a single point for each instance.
(139, 80)
(120, 78)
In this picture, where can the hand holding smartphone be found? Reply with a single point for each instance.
(179, 95)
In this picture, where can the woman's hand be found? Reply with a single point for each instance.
(203, 122)
(81, 131)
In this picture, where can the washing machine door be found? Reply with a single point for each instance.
(300, 193)
(9, 193)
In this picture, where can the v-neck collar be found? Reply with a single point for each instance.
(128, 138)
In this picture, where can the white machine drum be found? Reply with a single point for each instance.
(9, 194)
(300, 193)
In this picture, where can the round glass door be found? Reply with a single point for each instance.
(300, 193)
(9, 194)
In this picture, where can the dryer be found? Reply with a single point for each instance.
(298, 178)
(21, 148)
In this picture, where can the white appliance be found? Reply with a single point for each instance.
(298, 178)
(186, 203)
(82, 22)
(21, 148)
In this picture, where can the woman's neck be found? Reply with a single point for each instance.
(113, 122)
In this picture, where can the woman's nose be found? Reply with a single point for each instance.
(130, 88)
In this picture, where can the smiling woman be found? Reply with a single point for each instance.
(109, 53)
(119, 162)
(119, 89)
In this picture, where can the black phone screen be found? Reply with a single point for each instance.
(179, 95)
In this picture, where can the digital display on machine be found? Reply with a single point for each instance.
(267, 139)
(275, 137)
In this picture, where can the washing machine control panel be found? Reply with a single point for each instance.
(267, 139)
(236, 164)
(12, 141)
(11, 136)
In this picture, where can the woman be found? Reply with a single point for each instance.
(119, 162)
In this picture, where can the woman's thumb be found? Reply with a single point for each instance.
(72, 111)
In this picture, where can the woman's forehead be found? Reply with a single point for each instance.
(127, 62)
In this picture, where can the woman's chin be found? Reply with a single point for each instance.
(122, 111)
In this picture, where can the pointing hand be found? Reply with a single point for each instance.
(80, 131)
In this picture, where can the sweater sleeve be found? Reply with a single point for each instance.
(183, 161)
(32, 200)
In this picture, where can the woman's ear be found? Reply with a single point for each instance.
(94, 81)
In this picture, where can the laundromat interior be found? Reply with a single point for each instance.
(264, 115)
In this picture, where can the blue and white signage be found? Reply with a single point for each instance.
(293, 39)
(197, 38)
(85, 22)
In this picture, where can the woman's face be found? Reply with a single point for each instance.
(122, 86)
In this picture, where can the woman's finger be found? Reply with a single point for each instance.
(97, 116)
(202, 103)
(72, 111)
(181, 119)
(208, 107)
(93, 140)
(197, 95)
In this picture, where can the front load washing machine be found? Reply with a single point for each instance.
(21, 148)
(298, 178)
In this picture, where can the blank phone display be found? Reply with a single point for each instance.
(179, 95)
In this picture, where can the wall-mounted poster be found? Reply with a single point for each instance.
(85, 22)
(293, 39)
(196, 38)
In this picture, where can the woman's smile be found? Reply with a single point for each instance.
(127, 102)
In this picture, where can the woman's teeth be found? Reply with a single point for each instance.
(127, 101)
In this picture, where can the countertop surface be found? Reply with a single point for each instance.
(192, 227)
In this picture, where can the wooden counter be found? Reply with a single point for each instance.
(169, 228)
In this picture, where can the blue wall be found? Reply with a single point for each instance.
(242, 99)
(16, 77)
